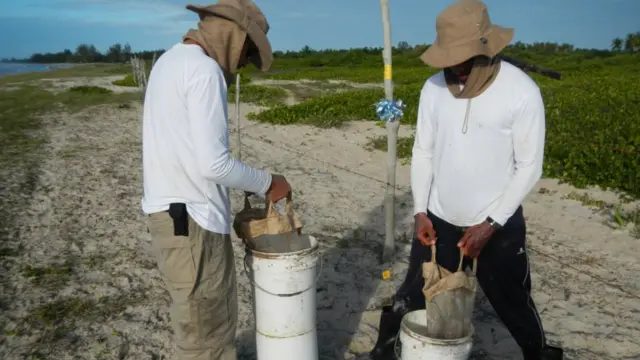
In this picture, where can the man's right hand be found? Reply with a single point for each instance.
(279, 188)
(424, 230)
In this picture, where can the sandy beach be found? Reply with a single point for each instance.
(84, 284)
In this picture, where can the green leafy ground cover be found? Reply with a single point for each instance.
(127, 81)
(593, 114)
(253, 94)
(259, 95)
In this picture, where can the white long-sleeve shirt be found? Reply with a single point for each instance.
(185, 148)
(487, 171)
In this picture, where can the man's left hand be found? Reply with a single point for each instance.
(475, 238)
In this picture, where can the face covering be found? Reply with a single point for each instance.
(483, 73)
(222, 40)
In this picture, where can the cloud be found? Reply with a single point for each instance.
(161, 15)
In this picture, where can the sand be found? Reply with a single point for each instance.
(108, 303)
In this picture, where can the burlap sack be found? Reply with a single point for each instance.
(267, 223)
(450, 298)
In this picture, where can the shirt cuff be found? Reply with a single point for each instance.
(419, 208)
(500, 219)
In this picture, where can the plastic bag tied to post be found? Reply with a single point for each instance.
(450, 299)
(268, 231)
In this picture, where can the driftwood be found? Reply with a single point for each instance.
(531, 68)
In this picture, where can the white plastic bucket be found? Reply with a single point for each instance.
(416, 346)
(284, 301)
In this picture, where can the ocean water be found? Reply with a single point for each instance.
(17, 68)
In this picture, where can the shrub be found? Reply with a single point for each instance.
(593, 118)
(90, 90)
(334, 109)
(593, 133)
(259, 95)
(128, 81)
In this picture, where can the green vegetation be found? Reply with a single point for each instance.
(90, 90)
(593, 113)
(51, 276)
(619, 217)
(128, 81)
(259, 95)
(253, 94)
(593, 116)
(82, 70)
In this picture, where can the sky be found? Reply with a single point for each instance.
(29, 26)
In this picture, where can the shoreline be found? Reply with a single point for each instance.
(33, 67)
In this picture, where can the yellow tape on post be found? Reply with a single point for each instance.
(387, 72)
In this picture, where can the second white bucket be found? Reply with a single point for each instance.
(417, 346)
(284, 300)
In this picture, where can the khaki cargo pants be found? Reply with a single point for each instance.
(199, 273)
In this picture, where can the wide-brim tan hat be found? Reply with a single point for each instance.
(250, 18)
(464, 30)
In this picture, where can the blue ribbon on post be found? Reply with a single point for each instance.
(389, 110)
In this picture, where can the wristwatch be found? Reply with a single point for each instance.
(493, 223)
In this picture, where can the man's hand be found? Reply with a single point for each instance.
(279, 188)
(424, 230)
(475, 238)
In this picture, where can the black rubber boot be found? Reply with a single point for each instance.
(546, 353)
(389, 328)
(387, 333)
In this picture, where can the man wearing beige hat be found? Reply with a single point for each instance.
(187, 171)
(478, 152)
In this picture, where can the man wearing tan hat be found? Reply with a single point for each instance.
(478, 152)
(188, 171)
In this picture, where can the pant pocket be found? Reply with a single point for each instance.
(174, 254)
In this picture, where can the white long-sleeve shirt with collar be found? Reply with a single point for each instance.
(480, 157)
(185, 141)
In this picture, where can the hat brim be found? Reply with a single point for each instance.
(497, 38)
(264, 58)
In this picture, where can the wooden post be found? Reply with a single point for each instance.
(392, 139)
(238, 115)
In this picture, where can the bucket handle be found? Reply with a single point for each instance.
(474, 268)
(395, 345)
(246, 270)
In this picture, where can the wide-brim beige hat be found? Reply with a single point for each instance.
(250, 18)
(464, 30)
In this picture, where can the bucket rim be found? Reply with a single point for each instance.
(265, 255)
(409, 332)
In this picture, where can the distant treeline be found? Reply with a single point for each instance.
(86, 53)
(119, 53)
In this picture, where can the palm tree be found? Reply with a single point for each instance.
(616, 45)
(632, 42)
